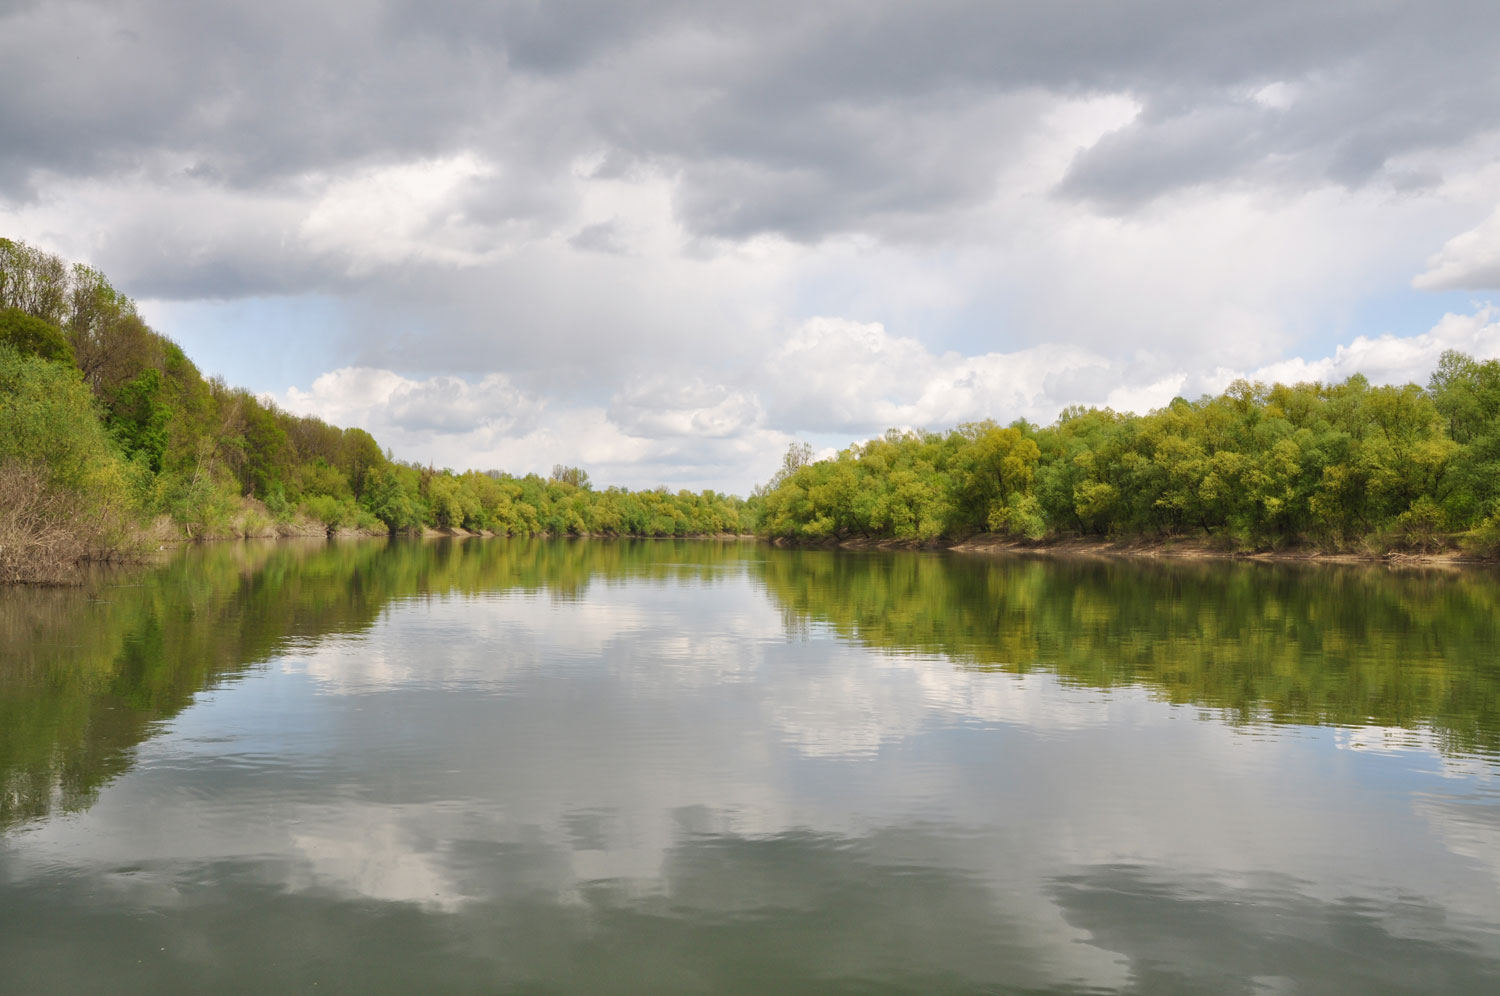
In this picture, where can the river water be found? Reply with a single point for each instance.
(694, 767)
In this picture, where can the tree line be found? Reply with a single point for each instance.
(105, 424)
(1346, 466)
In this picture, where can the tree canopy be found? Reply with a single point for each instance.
(1338, 466)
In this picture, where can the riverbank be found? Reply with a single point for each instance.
(164, 536)
(1179, 548)
(1169, 548)
(428, 532)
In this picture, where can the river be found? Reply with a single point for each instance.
(698, 767)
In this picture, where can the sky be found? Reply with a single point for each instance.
(665, 240)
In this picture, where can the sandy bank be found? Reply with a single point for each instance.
(1198, 549)
(1173, 548)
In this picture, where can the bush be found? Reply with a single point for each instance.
(328, 510)
(1484, 539)
(277, 504)
(205, 507)
(64, 493)
(31, 336)
(1421, 527)
(47, 418)
(39, 538)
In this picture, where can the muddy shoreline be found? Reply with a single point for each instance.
(1173, 548)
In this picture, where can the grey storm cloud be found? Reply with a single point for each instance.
(603, 237)
(803, 120)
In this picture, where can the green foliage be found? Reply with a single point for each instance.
(265, 461)
(1420, 527)
(1484, 539)
(31, 336)
(448, 502)
(203, 505)
(1340, 465)
(333, 513)
(358, 457)
(991, 478)
(64, 492)
(388, 499)
(571, 476)
(138, 419)
(47, 417)
(33, 281)
(278, 504)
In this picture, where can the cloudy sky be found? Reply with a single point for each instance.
(662, 240)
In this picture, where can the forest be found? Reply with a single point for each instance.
(1331, 467)
(111, 439)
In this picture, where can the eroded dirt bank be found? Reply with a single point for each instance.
(1179, 548)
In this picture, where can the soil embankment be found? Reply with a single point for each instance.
(1174, 548)
(1199, 549)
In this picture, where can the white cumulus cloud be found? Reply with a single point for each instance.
(836, 375)
(1469, 261)
(381, 399)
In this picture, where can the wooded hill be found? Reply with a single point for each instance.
(105, 426)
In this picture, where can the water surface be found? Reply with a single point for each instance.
(557, 767)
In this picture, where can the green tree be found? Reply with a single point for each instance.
(31, 336)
